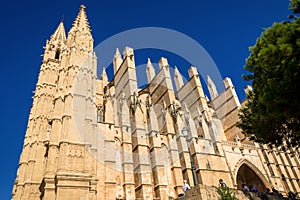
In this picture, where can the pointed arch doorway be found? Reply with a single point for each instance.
(246, 174)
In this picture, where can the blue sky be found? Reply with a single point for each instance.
(224, 28)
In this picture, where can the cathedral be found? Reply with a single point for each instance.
(90, 138)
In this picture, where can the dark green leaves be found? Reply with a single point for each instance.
(272, 113)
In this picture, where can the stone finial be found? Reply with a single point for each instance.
(150, 71)
(228, 83)
(163, 62)
(117, 60)
(212, 88)
(82, 7)
(178, 79)
(193, 71)
(117, 54)
(104, 75)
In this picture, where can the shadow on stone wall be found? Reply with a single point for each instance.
(202, 192)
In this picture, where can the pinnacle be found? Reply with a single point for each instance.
(104, 75)
(117, 54)
(150, 71)
(176, 71)
(59, 33)
(178, 78)
(149, 64)
(81, 21)
(212, 88)
(82, 7)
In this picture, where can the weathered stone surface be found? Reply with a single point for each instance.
(90, 138)
(202, 192)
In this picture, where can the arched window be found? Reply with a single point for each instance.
(57, 54)
(99, 116)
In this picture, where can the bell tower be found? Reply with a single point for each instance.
(90, 138)
(35, 150)
(56, 163)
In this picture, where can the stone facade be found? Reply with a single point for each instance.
(90, 138)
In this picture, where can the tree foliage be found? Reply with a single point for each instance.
(225, 193)
(272, 111)
(295, 6)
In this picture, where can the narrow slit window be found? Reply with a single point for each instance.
(57, 54)
(100, 116)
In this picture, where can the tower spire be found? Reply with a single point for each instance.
(56, 43)
(81, 22)
(80, 35)
(60, 33)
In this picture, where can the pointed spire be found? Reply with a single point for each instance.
(80, 37)
(212, 88)
(60, 33)
(150, 71)
(104, 77)
(81, 22)
(56, 44)
(117, 54)
(178, 78)
(117, 60)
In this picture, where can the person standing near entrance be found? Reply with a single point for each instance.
(245, 187)
(185, 186)
(222, 183)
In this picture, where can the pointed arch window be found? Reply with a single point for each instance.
(57, 54)
(99, 116)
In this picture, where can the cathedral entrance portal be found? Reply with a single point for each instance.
(246, 175)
